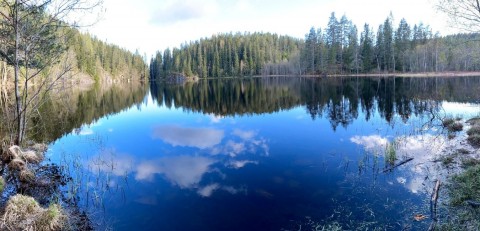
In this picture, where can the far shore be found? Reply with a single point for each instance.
(415, 75)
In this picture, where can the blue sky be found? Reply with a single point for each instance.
(151, 25)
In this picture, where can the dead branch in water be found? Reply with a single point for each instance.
(433, 206)
(399, 164)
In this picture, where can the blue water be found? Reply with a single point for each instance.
(156, 167)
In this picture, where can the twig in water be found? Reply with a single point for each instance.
(399, 164)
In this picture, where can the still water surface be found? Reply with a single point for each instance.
(265, 154)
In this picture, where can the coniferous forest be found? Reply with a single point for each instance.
(339, 48)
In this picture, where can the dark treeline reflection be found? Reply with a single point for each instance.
(68, 110)
(339, 99)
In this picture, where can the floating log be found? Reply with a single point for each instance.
(399, 164)
(433, 206)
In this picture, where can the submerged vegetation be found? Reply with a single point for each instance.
(390, 154)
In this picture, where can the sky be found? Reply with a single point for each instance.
(154, 25)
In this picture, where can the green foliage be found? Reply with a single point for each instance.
(97, 58)
(227, 55)
(409, 49)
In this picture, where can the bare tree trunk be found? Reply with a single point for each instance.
(18, 100)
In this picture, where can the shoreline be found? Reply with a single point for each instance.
(406, 75)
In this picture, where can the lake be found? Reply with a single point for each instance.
(260, 153)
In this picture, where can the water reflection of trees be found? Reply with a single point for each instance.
(339, 99)
(68, 109)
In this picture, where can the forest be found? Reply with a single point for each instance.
(339, 48)
(98, 58)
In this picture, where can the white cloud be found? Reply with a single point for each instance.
(86, 132)
(156, 25)
(245, 135)
(372, 143)
(110, 162)
(233, 148)
(241, 163)
(185, 136)
(215, 118)
(208, 190)
(183, 171)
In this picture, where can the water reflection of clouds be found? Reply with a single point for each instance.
(237, 164)
(183, 171)
(187, 171)
(191, 137)
(86, 130)
(374, 143)
(425, 149)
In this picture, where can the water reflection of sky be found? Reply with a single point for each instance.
(173, 170)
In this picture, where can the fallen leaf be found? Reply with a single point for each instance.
(419, 217)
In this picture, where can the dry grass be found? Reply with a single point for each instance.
(10, 154)
(32, 157)
(26, 176)
(24, 213)
(16, 165)
(2, 184)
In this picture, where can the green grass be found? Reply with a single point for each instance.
(448, 160)
(465, 186)
(470, 162)
(390, 154)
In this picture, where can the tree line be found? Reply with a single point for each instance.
(98, 58)
(338, 49)
(224, 55)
